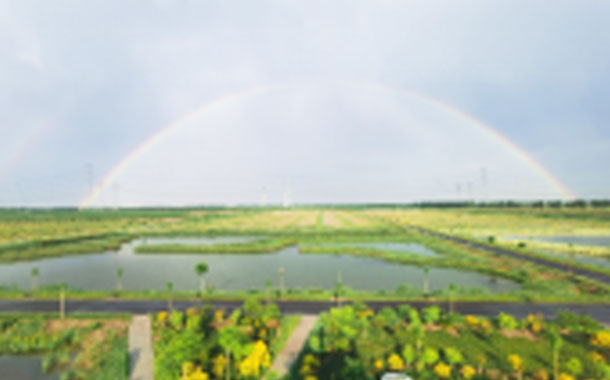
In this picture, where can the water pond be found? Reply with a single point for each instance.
(23, 368)
(415, 248)
(235, 271)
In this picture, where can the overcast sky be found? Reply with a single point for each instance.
(338, 112)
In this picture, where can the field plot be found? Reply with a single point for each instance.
(354, 342)
(205, 343)
(78, 348)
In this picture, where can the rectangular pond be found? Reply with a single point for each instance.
(23, 368)
(413, 248)
(236, 271)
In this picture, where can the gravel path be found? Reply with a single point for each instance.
(140, 349)
(294, 345)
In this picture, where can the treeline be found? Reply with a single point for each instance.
(577, 203)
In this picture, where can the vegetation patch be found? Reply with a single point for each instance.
(78, 348)
(354, 342)
(207, 344)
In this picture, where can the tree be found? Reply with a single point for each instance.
(282, 285)
(426, 281)
(556, 343)
(35, 274)
(119, 280)
(452, 289)
(201, 269)
(62, 300)
(170, 295)
(233, 341)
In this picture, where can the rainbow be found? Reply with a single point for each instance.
(229, 99)
(19, 149)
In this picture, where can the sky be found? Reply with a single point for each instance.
(274, 102)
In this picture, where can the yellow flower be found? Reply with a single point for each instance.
(442, 370)
(162, 317)
(379, 366)
(601, 339)
(516, 362)
(199, 375)
(366, 313)
(219, 363)
(396, 363)
(468, 372)
(565, 376)
(187, 369)
(472, 321)
(596, 357)
(257, 359)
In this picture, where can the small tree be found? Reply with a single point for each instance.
(268, 291)
(282, 285)
(201, 269)
(35, 274)
(452, 289)
(170, 296)
(556, 343)
(232, 340)
(62, 301)
(426, 281)
(119, 280)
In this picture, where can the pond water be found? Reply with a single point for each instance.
(235, 271)
(600, 241)
(393, 246)
(23, 368)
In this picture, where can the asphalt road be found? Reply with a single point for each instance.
(601, 312)
(595, 276)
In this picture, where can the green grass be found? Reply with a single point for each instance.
(259, 246)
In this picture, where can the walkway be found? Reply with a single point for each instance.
(294, 345)
(140, 349)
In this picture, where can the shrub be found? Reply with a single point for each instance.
(395, 363)
(429, 356)
(432, 314)
(601, 339)
(472, 321)
(442, 370)
(574, 366)
(452, 355)
(408, 354)
(516, 363)
(468, 372)
(506, 321)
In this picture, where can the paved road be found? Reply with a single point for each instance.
(506, 252)
(600, 312)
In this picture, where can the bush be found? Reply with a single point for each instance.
(506, 321)
(432, 314)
